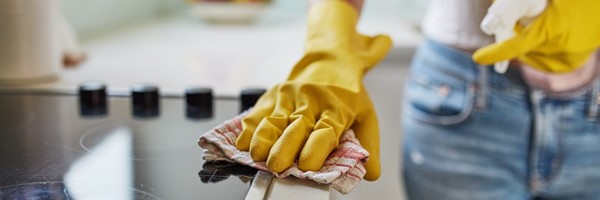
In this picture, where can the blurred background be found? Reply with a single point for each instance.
(90, 16)
(174, 37)
(228, 46)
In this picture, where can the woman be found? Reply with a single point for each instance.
(532, 133)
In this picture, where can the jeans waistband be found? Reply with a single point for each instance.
(567, 85)
(485, 77)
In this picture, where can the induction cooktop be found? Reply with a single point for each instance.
(140, 145)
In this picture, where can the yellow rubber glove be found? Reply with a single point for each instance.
(559, 40)
(303, 118)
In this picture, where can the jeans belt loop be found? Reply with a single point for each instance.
(482, 87)
(594, 103)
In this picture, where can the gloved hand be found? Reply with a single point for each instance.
(303, 118)
(559, 40)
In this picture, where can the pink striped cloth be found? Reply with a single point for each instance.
(343, 169)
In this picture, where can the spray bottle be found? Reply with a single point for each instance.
(502, 17)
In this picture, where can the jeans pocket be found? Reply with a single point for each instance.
(438, 96)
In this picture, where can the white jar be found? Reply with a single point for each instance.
(30, 49)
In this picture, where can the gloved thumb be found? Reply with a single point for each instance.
(366, 129)
(374, 49)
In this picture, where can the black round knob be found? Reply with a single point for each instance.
(145, 101)
(249, 97)
(199, 102)
(92, 99)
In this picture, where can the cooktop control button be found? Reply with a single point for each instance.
(249, 97)
(199, 102)
(92, 99)
(145, 101)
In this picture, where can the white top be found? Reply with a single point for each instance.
(456, 23)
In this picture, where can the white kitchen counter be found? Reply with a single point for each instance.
(178, 51)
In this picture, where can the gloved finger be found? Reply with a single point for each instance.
(521, 43)
(323, 139)
(377, 48)
(265, 135)
(263, 107)
(366, 129)
(285, 151)
(270, 128)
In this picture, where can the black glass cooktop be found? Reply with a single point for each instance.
(51, 149)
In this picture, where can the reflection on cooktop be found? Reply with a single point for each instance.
(217, 171)
(40, 190)
(51, 151)
(59, 190)
(148, 143)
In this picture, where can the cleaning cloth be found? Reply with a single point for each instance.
(343, 169)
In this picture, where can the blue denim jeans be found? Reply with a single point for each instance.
(471, 133)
